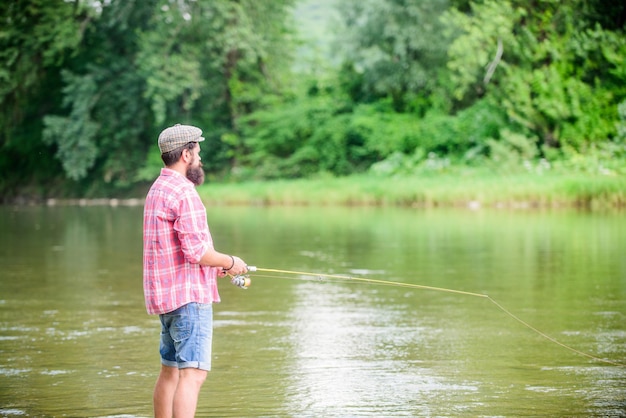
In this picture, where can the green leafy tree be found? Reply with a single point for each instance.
(474, 54)
(74, 135)
(101, 134)
(556, 71)
(114, 73)
(212, 63)
(395, 48)
(37, 37)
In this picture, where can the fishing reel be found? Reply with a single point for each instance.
(243, 280)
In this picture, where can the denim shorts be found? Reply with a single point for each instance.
(186, 336)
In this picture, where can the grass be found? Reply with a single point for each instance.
(470, 188)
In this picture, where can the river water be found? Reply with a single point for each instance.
(75, 339)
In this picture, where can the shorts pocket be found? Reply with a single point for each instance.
(180, 328)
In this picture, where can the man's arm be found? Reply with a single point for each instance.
(229, 263)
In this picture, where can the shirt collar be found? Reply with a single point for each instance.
(169, 172)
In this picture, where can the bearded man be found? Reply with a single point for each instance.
(180, 270)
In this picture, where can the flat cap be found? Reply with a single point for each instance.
(177, 136)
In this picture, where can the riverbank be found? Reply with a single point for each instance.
(471, 189)
(461, 189)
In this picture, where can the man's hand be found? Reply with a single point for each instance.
(238, 266)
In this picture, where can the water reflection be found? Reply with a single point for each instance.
(356, 356)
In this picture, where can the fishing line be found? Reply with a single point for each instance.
(438, 289)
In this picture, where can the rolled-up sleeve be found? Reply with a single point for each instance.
(192, 228)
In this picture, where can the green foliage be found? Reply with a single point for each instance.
(320, 135)
(311, 136)
(512, 152)
(621, 124)
(472, 51)
(396, 46)
(74, 134)
(413, 87)
(37, 37)
(280, 141)
(99, 135)
(563, 88)
(433, 142)
(151, 167)
(604, 157)
(223, 52)
(128, 69)
(211, 63)
(96, 122)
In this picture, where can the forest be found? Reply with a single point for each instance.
(379, 88)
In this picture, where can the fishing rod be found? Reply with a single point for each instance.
(243, 281)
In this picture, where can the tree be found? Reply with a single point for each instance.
(102, 132)
(116, 72)
(560, 75)
(214, 62)
(37, 37)
(395, 46)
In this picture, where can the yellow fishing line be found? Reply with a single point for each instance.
(439, 289)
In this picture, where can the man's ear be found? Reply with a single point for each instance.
(186, 155)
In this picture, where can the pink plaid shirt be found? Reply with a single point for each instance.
(175, 237)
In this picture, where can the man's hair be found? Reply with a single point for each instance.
(172, 157)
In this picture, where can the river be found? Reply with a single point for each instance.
(507, 313)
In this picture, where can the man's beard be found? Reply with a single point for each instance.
(196, 175)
